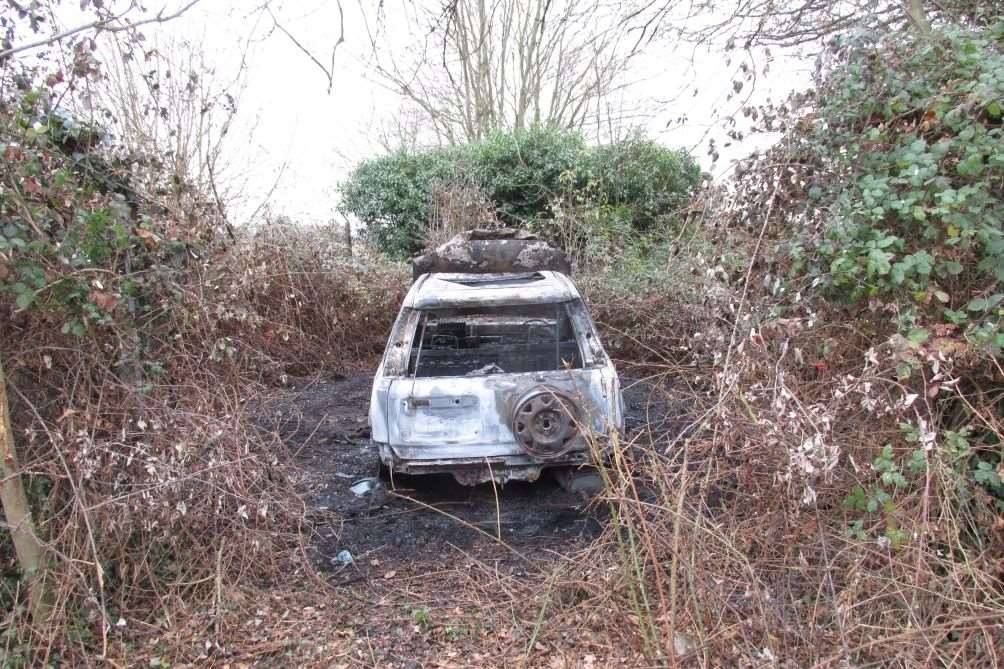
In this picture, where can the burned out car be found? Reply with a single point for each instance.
(493, 376)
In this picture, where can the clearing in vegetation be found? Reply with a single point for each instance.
(812, 473)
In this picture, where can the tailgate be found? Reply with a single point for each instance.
(441, 411)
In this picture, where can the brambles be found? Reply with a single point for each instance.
(913, 131)
(826, 490)
(135, 335)
(841, 467)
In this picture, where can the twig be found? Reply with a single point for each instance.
(99, 25)
(329, 71)
(540, 618)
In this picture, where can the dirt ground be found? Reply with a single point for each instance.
(422, 518)
(429, 555)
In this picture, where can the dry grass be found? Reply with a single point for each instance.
(732, 543)
(713, 555)
(723, 561)
(313, 307)
(458, 204)
(174, 534)
(158, 501)
(750, 538)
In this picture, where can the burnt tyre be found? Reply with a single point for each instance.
(546, 423)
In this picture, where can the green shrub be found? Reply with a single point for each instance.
(915, 126)
(894, 210)
(522, 171)
(524, 174)
(392, 195)
(647, 178)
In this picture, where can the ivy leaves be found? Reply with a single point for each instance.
(67, 241)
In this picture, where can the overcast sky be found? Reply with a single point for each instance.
(292, 130)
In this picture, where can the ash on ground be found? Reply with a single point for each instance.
(361, 519)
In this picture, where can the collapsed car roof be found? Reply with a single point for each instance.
(439, 290)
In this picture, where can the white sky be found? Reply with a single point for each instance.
(289, 127)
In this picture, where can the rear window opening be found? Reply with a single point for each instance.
(478, 341)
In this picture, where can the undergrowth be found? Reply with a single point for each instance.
(136, 336)
(836, 497)
(831, 325)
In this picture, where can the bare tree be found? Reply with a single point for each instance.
(788, 23)
(489, 64)
(171, 103)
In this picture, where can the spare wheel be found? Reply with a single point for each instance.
(546, 422)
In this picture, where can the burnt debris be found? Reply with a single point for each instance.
(500, 251)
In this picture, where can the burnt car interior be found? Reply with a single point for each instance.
(477, 341)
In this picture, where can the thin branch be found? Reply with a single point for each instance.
(329, 71)
(99, 25)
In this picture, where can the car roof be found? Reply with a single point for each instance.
(438, 290)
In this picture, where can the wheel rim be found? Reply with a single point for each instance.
(546, 423)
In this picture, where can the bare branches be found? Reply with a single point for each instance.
(113, 23)
(510, 64)
(172, 106)
(795, 23)
(328, 70)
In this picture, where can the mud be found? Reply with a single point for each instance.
(429, 518)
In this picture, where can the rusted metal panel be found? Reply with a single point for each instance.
(459, 290)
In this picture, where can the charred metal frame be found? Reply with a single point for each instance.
(464, 424)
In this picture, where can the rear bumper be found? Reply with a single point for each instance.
(478, 464)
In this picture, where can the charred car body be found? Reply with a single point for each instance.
(493, 376)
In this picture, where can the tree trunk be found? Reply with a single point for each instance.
(18, 516)
(915, 10)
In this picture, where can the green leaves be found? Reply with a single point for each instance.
(918, 461)
(888, 470)
(68, 242)
(985, 303)
(917, 195)
(985, 474)
(25, 296)
(971, 164)
(523, 174)
(918, 336)
(75, 327)
(916, 266)
(878, 262)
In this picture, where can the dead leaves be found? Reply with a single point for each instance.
(32, 186)
(105, 301)
(149, 237)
